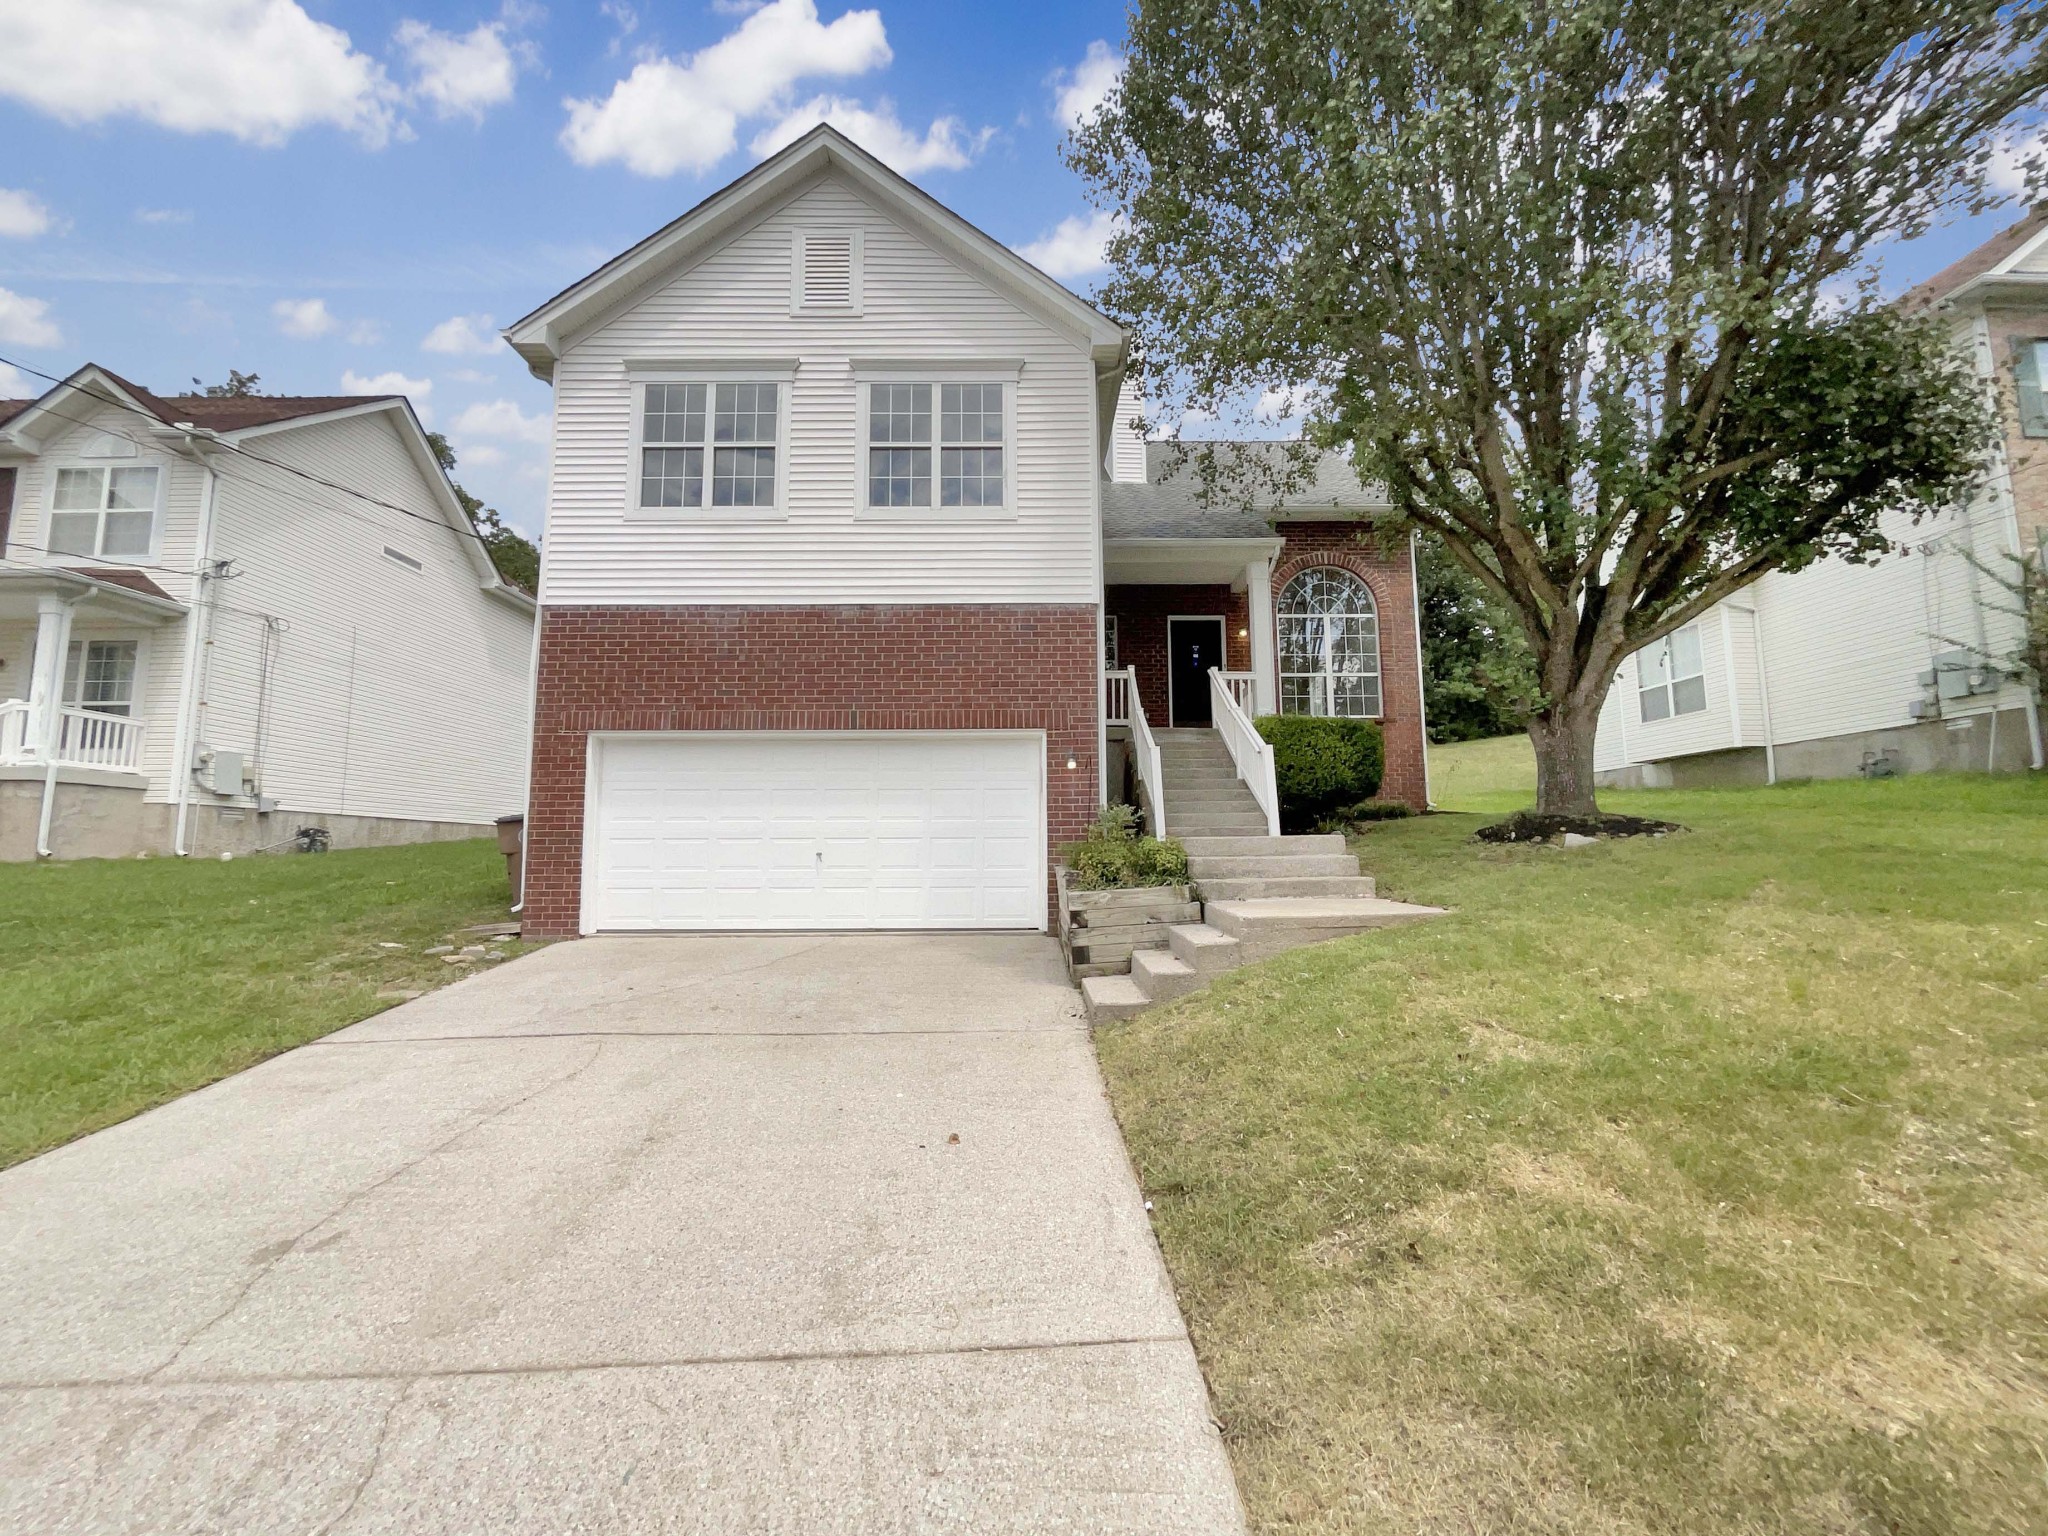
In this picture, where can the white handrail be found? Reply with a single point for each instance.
(1116, 697)
(13, 730)
(1243, 687)
(88, 739)
(1145, 753)
(1250, 751)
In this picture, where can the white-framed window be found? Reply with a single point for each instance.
(1671, 679)
(941, 446)
(708, 445)
(104, 512)
(100, 675)
(1329, 645)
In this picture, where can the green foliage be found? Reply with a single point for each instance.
(239, 386)
(515, 555)
(1377, 810)
(1115, 856)
(1477, 678)
(1588, 285)
(1322, 765)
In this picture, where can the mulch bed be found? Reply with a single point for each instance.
(1528, 827)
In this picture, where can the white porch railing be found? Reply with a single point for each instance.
(1250, 751)
(85, 739)
(1118, 688)
(1242, 686)
(1122, 706)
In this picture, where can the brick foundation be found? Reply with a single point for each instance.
(1141, 633)
(938, 668)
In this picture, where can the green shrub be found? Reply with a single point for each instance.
(1114, 856)
(1377, 810)
(1322, 765)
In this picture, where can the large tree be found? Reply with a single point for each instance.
(516, 556)
(1584, 282)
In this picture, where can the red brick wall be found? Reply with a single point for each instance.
(1141, 614)
(799, 669)
(1141, 633)
(1390, 574)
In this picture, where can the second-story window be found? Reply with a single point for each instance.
(936, 445)
(709, 444)
(104, 513)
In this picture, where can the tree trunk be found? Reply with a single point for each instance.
(1563, 737)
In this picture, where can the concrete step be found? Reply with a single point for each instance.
(1162, 976)
(1112, 997)
(1266, 926)
(1210, 866)
(1253, 888)
(1237, 801)
(1205, 774)
(1215, 826)
(1208, 950)
(1258, 847)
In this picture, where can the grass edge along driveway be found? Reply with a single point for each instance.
(1688, 1185)
(125, 983)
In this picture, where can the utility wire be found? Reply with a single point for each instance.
(238, 449)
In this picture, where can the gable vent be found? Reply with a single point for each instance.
(827, 272)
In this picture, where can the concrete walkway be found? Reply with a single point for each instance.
(748, 1234)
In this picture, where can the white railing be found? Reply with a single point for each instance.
(1242, 686)
(1145, 753)
(85, 739)
(1250, 751)
(13, 730)
(1118, 688)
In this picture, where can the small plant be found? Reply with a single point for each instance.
(1322, 764)
(1115, 856)
(1374, 810)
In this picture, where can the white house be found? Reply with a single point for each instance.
(222, 620)
(848, 610)
(1888, 668)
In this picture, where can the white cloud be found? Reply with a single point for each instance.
(2014, 154)
(462, 76)
(304, 318)
(163, 215)
(948, 145)
(15, 385)
(23, 215)
(500, 418)
(462, 333)
(365, 333)
(26, 322)
(482, 455)
(258, 70)
(1075, 246)
(1079, 91)
(679, 114)
(392, 383)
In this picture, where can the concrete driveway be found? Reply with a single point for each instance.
(766, 1233)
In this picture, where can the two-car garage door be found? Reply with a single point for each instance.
(789, 830)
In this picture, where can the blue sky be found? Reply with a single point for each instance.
(352, 196)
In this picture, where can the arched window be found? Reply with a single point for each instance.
(1329, 645)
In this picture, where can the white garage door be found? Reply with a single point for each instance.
(800, 831)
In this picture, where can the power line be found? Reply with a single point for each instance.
(238, 449)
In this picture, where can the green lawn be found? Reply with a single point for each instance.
(1463, 771)
(1687, 1185)
(126, 983)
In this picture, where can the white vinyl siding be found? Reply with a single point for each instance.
(105, 439)
(827, 548)
(357, 685)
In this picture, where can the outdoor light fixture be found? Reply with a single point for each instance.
(1070, 763)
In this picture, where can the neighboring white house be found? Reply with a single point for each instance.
(1887, 668)
(222, 620)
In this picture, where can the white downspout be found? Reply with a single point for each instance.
(188, 684)
(1763, 694)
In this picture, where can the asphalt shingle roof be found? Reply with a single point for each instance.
(1170, 505)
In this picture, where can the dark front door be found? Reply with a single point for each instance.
(1193, 646)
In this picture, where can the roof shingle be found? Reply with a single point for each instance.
(1169, 504)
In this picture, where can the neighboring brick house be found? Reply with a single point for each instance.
(1899, 666)
(833, 552)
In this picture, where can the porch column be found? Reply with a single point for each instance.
(46, 681)
(1258, 607)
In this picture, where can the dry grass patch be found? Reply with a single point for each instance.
(1684, 1186)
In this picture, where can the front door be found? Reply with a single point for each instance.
(1193, 646)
